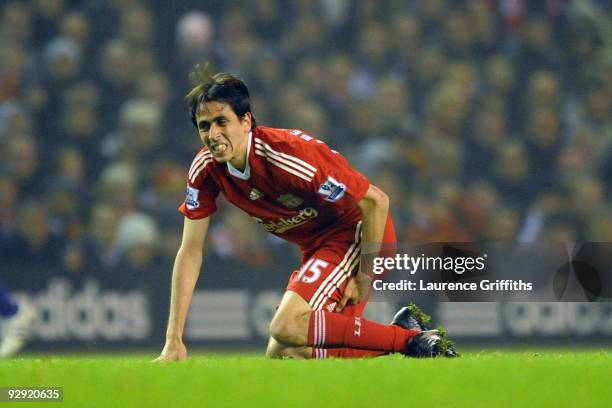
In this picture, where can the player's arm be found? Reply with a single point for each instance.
(374, 207)
(184, 277)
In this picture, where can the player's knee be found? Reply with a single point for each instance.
(289, 329)
(297, 353)
(278, 352)
(281, 330)
(274, 352)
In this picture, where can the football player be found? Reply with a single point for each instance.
(299, 189)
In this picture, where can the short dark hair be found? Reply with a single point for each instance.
(221, 87)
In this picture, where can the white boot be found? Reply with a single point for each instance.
(15, 330)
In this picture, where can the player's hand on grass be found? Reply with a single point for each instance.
(173, 351)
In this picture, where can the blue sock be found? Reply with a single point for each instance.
(8, 307)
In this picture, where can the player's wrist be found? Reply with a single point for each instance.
(174, 339)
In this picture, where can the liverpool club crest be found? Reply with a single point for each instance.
(255, 194)
(290, 201)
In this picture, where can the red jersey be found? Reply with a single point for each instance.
(295, 186)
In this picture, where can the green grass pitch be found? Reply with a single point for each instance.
(488, 379)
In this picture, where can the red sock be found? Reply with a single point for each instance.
(335, 330)
(343, 352)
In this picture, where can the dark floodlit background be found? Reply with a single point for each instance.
(483, 120)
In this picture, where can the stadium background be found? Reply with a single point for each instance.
(483, 120)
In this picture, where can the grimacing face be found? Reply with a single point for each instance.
(223, 132)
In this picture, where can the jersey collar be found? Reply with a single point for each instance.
(246, 174)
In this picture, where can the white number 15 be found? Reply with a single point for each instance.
(314, 268)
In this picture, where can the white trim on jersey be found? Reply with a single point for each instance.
(198, 159)
(297, 160)
(282, 159)
(198, 164)
(285, 161)
(339, 274)
(282, 166)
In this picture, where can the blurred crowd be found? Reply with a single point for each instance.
(483, 120)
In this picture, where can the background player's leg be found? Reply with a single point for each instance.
(8, 307)
(16, 322)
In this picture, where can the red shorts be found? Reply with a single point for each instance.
(325, 273)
